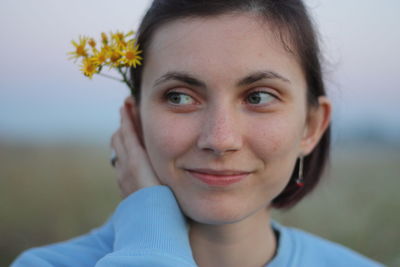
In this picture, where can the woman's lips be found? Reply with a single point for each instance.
(218, 177)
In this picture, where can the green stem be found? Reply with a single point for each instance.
(125, 78)
(111, 77)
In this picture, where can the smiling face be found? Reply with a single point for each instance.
(223, 114)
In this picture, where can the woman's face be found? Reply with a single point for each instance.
(223, 114)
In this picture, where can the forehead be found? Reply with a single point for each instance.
(222, 46)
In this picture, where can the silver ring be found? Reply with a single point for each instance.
(113, 158)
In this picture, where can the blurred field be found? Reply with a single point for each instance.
(54, 192)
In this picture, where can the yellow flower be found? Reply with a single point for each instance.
(80, 48)
(92, 42)
(130, 33)
(115, 56)
(117, 50)
(100, 57)
(104, 38)
(119, 39)
(89, 67)
(131, 55)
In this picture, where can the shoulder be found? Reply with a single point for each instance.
(310, 250)
(83, 250)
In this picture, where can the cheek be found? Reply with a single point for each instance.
(166, 138)
(276, 143)
(275, 137)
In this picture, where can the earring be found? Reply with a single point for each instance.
(300, 178)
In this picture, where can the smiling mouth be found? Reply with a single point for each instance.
(218, 177)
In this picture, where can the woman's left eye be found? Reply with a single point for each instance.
(259, 97)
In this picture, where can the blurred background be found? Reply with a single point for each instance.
(55, 125)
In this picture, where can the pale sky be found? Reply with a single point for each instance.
(44, 96)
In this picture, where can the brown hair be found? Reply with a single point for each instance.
(295, 29)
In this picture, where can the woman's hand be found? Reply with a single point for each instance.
(133, 167)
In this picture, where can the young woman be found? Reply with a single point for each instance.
(228, 121)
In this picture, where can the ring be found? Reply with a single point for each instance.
(113, 158)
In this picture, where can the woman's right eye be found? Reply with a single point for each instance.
(177, 98)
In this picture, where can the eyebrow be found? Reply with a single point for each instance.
(261, 75)
(180, 76)
(191, 80)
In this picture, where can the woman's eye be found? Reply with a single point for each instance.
(179, 98)
(259, 97)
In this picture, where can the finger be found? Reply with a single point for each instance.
(135, 151)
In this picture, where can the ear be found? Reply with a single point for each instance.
(134, 114)
(318, 120)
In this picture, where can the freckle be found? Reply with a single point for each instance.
(274, 146)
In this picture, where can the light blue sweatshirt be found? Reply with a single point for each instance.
(149, 229)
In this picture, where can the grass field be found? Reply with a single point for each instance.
(54, 192)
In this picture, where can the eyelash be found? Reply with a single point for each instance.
(169, 94)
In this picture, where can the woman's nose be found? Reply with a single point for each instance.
(221, 132)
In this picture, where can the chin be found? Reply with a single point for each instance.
(216, 208)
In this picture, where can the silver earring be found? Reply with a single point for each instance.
(300, 178)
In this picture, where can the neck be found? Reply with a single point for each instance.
(249, 242)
